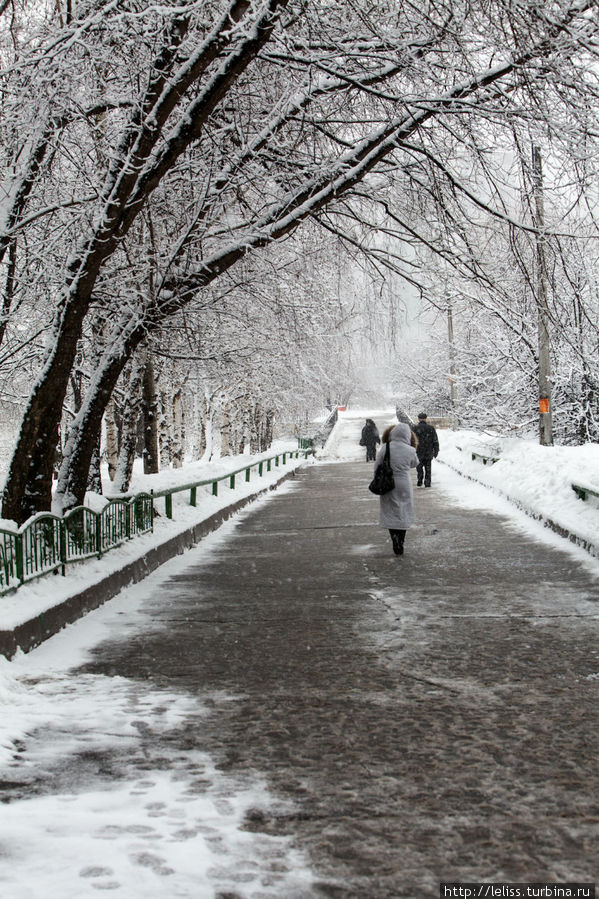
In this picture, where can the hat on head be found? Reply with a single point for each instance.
(421, 416)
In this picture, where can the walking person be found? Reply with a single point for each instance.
(428, 449)
(370, 438)
(396, 506)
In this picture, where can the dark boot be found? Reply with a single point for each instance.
(397, 538)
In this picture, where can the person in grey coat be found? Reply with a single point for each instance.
(396, 506)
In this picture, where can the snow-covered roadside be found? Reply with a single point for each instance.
(538, 479)
(138, 829)
(38, 596)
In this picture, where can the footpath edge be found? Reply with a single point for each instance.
(32, 633)
(576, 539)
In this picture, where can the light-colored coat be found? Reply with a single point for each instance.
(396, 506)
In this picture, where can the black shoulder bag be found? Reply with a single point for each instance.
(383, 480)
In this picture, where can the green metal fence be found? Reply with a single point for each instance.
(48, 543)
(260, 467)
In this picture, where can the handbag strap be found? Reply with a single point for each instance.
(388, 451)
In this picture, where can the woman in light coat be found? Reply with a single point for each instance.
(396, 506)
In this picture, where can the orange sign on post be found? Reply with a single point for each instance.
(544, 405)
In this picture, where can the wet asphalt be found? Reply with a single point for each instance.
(425, 718)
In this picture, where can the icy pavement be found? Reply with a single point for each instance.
(290, 710)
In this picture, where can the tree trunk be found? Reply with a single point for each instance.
(225, 431)
(112, 438)
(453, 388)
(131, 412)
(165, 432)
(150, 419)
(207, 436)
(256, 424)
(177, 442)
(9, 288)
(94, 481)
(268, 430)
(198, 443)
(85, 430)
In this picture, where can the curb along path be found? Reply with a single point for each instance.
(424, 718)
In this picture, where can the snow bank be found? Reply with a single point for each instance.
(16, 707)
(537, 478)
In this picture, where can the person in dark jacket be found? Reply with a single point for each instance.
(370, 438)
(428, 449)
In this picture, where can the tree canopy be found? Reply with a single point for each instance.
(149, 151)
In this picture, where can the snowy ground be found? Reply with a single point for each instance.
(159, 835)
(171, 831)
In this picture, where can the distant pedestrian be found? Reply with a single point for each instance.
(428, 449)
(396, 506)
(370, 438)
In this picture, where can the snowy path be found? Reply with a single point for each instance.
(289, 710)
(344, 441)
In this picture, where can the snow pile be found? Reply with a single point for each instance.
(14, 703)
(537, 478)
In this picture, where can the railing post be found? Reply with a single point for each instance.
(62, 545)
(232, 482)
(4, 567)
(268, 461)
(128, 510)
(98, 529)
(214, 488)
(284, 458)
(260, 468)
(19, 557)
(193, 496)
(168, 505)
(247, 474)
(152, 511)
(276, 461)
